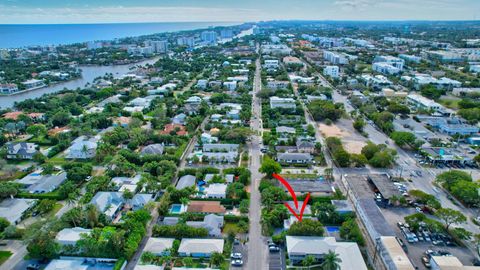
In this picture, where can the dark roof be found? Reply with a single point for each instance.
(374, 219)
(384, 185)
(310, 186)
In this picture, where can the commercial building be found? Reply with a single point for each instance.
(393, 255)
(273, 84)
(331, 71)
(271, 64)
(284, 103)
(294, 158)
(410, 58)
(275, 49)
(335, 58)
(385, 68)
(391, 60)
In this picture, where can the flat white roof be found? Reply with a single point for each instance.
(396, 253)
(348, 252)
(158, 245)
(197, 245)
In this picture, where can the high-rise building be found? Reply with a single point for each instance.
(186, 41)
(209, 37)
(226, 33)
(159, 46)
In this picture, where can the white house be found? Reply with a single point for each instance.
(13, 209)
(217, 191)
(70, 236)
(199, 248)
(159, 246)
(202, 84)
(211, 222)
(298, 247)
(82, 148)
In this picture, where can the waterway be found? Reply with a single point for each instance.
(89, 73)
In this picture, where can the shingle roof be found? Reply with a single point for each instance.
(206, 207)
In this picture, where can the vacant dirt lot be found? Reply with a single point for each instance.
(352, 141)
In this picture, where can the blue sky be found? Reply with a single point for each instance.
(93, 11)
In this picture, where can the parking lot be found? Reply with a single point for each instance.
(416, 251)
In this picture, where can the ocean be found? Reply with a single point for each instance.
(21, 35)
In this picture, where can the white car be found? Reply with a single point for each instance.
(236, 255)
(237, 262)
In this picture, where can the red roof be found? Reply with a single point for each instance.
(171, 127)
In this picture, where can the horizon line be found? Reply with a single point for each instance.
(260, 21)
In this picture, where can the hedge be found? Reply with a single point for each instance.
(51, 195)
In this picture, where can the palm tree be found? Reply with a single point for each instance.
(72, 197)
(184, 201)
(331, 261)
(308, 261)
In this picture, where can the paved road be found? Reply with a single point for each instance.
(257, 255)
(19, 251)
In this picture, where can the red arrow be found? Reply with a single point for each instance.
(294, 196)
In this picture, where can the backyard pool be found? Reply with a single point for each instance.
(332, 229)
(177, 209)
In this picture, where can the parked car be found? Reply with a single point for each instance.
(426, 261)
(273, 248)
(401, 243)
(33, 266)
(237, 262)
(236, 255)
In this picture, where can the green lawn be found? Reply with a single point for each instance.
(4, 255)
(55, 209)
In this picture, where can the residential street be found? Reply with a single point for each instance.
(19, 251)
(257, 255)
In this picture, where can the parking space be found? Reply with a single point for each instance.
(276, 260)
(240, 248)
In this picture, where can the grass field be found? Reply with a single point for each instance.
(4, 255)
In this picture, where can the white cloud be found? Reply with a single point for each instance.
(15, 15)
(356, 4)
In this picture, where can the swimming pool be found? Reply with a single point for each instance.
(34, 174)
(332, 229)
(176, 209)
